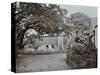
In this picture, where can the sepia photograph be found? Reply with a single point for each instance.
(52, 37)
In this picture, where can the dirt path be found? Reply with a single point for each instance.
(42, 62)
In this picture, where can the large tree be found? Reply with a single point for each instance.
(44, 18)
(80, 55)
(81, 25)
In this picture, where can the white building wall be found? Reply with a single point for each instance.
(57, 42)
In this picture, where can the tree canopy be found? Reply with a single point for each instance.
(44, 18)
(80, 22)
(81, 26)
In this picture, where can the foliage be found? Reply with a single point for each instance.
(81, 57)
(81, 26)
(44, 18)
(40, 17)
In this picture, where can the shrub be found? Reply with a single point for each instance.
(81, 57)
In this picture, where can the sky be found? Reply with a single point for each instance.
(90, 11)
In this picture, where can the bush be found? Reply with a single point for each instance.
(81, 57)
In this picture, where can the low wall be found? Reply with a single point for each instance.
(23, 52)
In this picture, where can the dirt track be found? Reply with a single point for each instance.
(48, 62)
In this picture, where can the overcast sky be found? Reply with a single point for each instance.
(91, 11)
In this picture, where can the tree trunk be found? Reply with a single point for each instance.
(20, 38)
